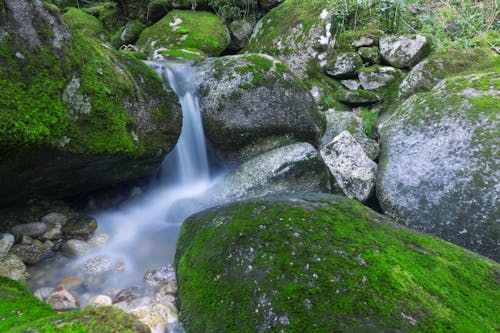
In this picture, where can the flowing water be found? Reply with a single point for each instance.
(144, 234)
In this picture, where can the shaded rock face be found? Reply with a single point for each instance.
(345, 65)
(436, 171)
(288, 169)
(77, 117)
(246, 98)
(310, 262)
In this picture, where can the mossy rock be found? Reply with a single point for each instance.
(21, 311)
(75, 116)
(86, 24)
(128, 34)
(184, 29)
(437, 170)
(324, 263)
(249, 97)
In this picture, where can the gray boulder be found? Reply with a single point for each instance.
(404, 51)
(438, 171)
(376, 77)
(353, 171)
(293, 168)
(339, 121)
(246, 98)
(344, 65)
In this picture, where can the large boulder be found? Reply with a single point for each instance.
(74, 116)
(250, 97)
(21, 311)
(185, 32)
(438, 171)
(293, 168)
(323, 263)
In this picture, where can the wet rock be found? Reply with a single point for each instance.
(29, 253)
(54, 231)
(56, 218)
(13, 267)
(376, 77)
(127, 295)
(43, 293)
(6, 242)
(61, 299)
(70, 283)
(35, 229)
(81, 227)
(339, 121)
(159, 276)
(354, 172)
(404, 51)
(98, 240)
(99, 264)
(344, 65)
(99, 300)
(75, 248)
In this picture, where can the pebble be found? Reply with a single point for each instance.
(35, 229)
(99, 300)
(75, 248)
(61, 299)
(6, 242)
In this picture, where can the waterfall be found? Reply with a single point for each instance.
(144, 234)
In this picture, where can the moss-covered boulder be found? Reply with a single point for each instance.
(74, 116)
(21, 311)
(323, 263)
(191, 32)
(247, 98)
(438, 171)
(86, 24)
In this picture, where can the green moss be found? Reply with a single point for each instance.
(86, 24)
(202, 31)
(326, 264)
(369, 120)
(181, 54)
(20, 311)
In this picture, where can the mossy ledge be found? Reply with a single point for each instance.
(323, 263)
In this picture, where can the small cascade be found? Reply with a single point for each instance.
(144, 234)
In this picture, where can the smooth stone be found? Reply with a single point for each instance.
(29, 253)
(354, 172)
(82, 226)
(98, 240)
(99, 264)
(75, 248)
(99, 300)
(70, 283)
(43, 293)
(62, 300)
(34, 229)
(54, 218)
(6, 242)
(12, 267)
(159, 276)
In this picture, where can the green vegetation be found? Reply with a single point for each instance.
(326, 264)
(369, 120)
(184, 29)
(20, 311)
(231, 10)
(86, 24)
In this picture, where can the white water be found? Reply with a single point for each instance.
(144, 235)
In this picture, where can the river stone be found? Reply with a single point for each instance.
(75, 248)
(29, 253)
(98, 264)
(99, 300)
(375, 77)
(61, 299)
(339, 121)
(12, 267)
(81, 227)
(70, 283)
(98, 240)
(251, 97)
(345, 65)
(438, 173)
(281, 263)
(43, 293)
(404, 51)
(353, 171)
(54, 217)
(157, 277)
(6, 242)
(293, 168)
(35, 229)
